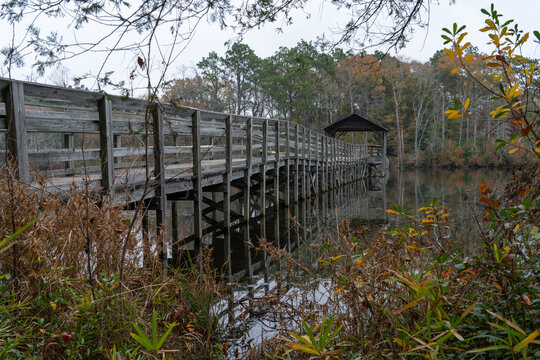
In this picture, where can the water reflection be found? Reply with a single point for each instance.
(300, 228)
(362, 203)
(456, 189)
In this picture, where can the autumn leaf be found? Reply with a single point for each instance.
(140, 62)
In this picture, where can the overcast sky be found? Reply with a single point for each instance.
(323, 19)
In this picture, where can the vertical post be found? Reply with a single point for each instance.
(332, 163)
(336, 166)
(340, 154)
(324, 155)
(276, 167)
(304, 163)
(197, 178)
(70, 145)
(249, 162)
(228, 174)
(16, 139)
(159, 174)
(145, 240)
(262, 191)
(288, 165)
(227, 193)
(175, 232)
(297, 157)
(318, 148)
(117, 143)
(309, 175)
(247, 194)
(349, 162)
(384, 152)
(106, 143)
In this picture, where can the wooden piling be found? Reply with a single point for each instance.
(106, 143)
(16, 138)
(197, 179)
(160, 177)
(277, 138)
(288, 165)
(296, 162)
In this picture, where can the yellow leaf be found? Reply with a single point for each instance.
(335, 257)
(339, 289)
(513, 90)
(409, 305)
(53, 305)
(523, 39)
(491, 24)
(401, 343)
(467, 102)
(513, 150)
(455, 70)
(457, 335)
(304, 348)
(390, 211)
(469, 309)
(526, 341)
(450, 53)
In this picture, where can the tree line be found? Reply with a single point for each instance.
(308, 86)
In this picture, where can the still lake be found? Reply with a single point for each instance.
(300, 228)
(361, 203)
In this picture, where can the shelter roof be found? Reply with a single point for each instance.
(352, 123)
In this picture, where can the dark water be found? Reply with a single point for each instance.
(361, 203)
(299, 228)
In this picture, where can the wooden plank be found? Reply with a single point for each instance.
(175, 232)
(304, 175)
(117, 143)
(296, 162)
(288, 165)
(228, 179)
(69, 144)
(61, 93)
(249, 162)
(324, 155)
(197, 179)
(262, 195)
(64, 155)
(16, 139)
(277, 137)
(384, 152)
(160, 177)
(147, 262)
(106, 143)
(318, 146)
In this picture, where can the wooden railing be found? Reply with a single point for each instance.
(68, 134)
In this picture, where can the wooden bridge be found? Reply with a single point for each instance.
(133, 150)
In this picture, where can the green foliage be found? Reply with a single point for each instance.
(6, 243)
(317, 340)
(152, 343)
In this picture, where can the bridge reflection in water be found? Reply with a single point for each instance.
(361, 203)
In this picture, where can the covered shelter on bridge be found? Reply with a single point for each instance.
(357, 123)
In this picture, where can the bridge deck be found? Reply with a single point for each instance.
(125, 146)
